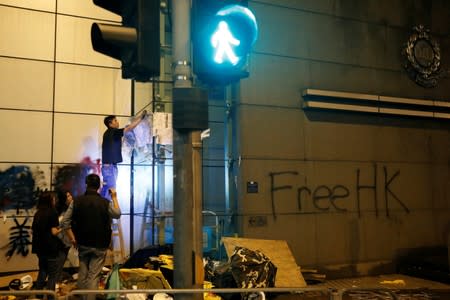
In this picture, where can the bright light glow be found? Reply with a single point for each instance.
(243, 12)
(223, 41)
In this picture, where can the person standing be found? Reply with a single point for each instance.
(45, 243)
(64, 200)
(112, 149)
(87, 222)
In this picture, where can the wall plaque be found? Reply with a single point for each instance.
(423, 58)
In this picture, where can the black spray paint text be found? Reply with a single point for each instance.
(325, 198)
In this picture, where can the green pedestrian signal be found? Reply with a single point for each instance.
(223, 37)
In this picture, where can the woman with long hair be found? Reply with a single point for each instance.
(45, 243)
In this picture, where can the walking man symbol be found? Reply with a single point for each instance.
(222, 40)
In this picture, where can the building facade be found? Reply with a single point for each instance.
(337, 142)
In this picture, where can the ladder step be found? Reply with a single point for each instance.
(117, 253)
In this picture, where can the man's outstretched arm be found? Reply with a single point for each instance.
(136, 120)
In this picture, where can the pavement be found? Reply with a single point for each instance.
(383, 287)
(392, 286)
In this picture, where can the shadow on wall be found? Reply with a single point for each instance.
(430, 263)
(358, 270)
(70, 178)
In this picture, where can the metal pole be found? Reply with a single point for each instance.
(132, 177)
(188, 267)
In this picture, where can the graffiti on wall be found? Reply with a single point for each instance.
(19, 238)
(19, 192)
(20, 188)
(332, 197)
(17, 189)
(70, 178)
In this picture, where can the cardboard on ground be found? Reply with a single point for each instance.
(288, 272)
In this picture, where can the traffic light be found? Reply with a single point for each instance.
(136, 42)
(223, 32)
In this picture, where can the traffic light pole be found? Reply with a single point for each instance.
(188, 266)
(136, 43)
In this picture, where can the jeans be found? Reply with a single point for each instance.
(48, 267)
(61, 259)
(91, 264)
(109, 175)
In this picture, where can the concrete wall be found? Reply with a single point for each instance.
(346, 190)
(56, 91)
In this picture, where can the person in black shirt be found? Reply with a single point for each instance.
(112, 149)
(45, 243)
(87, 222)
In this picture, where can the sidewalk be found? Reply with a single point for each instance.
(402, 286)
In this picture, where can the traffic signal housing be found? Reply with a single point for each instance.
(223, 35)
(136, 43)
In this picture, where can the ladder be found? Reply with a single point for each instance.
(116, 253)
(147, 224)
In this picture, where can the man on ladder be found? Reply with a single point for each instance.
(111, 156)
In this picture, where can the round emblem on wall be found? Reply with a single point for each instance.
(423, 58)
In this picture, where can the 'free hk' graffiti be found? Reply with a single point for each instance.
(326, 198)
